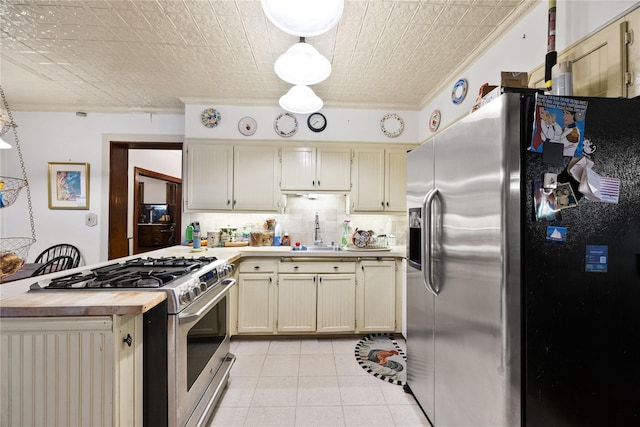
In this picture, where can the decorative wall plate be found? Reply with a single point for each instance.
(459, 91)
(392, 125)
(210, 117)
(361, 238)
(285, 125)
(247, 126)
(434, 121)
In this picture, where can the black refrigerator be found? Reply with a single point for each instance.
(521, 292)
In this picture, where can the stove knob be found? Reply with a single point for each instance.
(185, 297)
(196, 291)
(203, 286)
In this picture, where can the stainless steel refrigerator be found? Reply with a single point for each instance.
(504, 327)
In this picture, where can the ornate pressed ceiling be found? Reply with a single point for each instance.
(151, 55)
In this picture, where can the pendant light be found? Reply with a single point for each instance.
(303, 18)
(302, 64)
(301, 100)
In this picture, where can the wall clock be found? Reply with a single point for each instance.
(285, 125)
(210, 117)
(247, 126)
(392, 125)
(317, 122)
(459, 91)
(434, 121)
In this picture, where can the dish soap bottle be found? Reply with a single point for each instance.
(277, 235)
(189, 233)
(346, 232)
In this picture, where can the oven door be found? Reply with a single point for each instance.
(199, 358)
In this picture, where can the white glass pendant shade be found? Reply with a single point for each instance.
(302, 64)
(303, 18)
(4, 145)
(301, 100)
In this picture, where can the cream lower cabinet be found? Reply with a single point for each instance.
(336, 303)
(376, 296)
(71, 371)
(256, 296)
(297, 297)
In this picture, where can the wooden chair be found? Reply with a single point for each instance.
(60, 263)
(63, 249)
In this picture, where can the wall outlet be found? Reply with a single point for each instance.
(91, 220)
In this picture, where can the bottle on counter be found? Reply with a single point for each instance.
(285, 240)
(196, 235)
(277, 235)
(189, 233)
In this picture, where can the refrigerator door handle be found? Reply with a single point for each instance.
(427, 238)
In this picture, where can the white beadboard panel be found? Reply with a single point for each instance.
(57, 372)
(336, 303)
(297, 302)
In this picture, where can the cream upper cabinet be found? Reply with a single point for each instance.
(379, 179)
(209, 177)
(376, 296)
(224, 177)
(605, 64)
(256, 172)
(316, 169)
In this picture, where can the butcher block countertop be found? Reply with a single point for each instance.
(89, 303)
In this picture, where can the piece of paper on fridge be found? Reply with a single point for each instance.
(559, 120)
(599, 188)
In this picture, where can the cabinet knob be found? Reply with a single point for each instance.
(335, 267)
(387, 204)
(128, 340)
(295, 267)
(318, 183)
(256, 267)
(382, 203)
(228, 202)
(313, 183)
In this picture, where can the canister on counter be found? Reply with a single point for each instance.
(213, 238)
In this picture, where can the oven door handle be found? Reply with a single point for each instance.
(184, 318)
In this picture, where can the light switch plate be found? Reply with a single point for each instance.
(91, 220)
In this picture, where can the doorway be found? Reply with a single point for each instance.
(119, 191)
(157, 212)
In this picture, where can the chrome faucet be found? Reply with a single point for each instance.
(316, 240)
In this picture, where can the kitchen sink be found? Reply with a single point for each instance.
(324, 248)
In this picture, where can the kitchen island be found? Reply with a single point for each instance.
(77, 358)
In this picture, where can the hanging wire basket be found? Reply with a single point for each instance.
(13, 253)
(9, 190)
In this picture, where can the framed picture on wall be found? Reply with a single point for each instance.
(68, 185)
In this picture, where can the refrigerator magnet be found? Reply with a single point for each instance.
(596, 259)
(556, 234)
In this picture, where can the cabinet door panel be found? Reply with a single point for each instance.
(209, 173)
(297, 302)
(256, 174)
(336, 302)
(376, 296)
(395, 180)
(298, 168)
(255, 307)
(333, 170)
(368, 180)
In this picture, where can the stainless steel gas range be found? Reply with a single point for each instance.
(186, 341)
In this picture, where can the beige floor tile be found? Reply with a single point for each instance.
(320, 416)
(316, 346)
(348, 365)
(248, 365)
(360, 390)
(318, 391)
(275, 391)
(239, 392)
(408, 416)
(284, 346)
(395, 394)
(317, 365)
(228, 417)
(248, 346)
(369, 416)
(344, 345)
(280, 417)
(281, 365)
